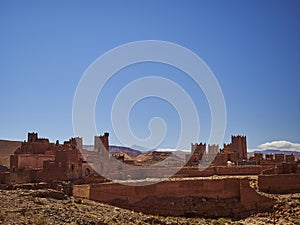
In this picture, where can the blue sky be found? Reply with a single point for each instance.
(252, 47)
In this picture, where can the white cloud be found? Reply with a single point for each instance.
(252, 150)
(280, 145)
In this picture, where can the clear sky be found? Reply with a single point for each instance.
(253, 48)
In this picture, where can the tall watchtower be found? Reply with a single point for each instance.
(101, 142)
(213, 149)
(239, 145)
(198, 151)
(32, 137)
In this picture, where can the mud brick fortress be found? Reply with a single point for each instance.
(39, 160)
(220, 190)
(234, 153)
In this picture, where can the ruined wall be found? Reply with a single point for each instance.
(29, 161)
(66, 166)
(13, 162)
(207, 197)
(4, 177)
(251, 200)
(46, 175)
(22, 177)
(81, 191)
(68, 162)
(283, 168)
(213, 189)
(35, 147)
(279, 183)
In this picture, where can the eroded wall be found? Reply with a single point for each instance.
(279, 183)
(229, 197)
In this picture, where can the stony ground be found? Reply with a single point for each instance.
(52, 207)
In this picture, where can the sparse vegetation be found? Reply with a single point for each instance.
(40, 219)
(20, 207)
(223, 221)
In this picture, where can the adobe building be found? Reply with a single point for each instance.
(67, 164)
(258, 157)
(283, 178)
(234, 152)
(272, 160)
(237, 149)
(39, 160)
(32, 153)
(290, 158)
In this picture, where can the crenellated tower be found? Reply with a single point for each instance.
(32, 137)
(101, 143)
(239, 145)
(197, 152)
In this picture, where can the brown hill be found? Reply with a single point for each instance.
(6, 149)
(154, 157)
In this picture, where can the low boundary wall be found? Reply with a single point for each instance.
(230, 197)
(279, 183)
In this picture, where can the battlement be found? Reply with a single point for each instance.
(33, 137)
(239, 145)
(198, 148)
(213, 149)
(101, 142)
(74, 143)
(236, 151)
(213, 146)
(238, 136)
(199, 144)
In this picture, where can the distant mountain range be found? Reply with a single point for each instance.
(141, 148)
(274, 151)
(129, 151)
(134, 153)
(114, 149)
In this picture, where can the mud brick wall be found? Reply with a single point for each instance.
(81, 191)
(230, 197)
(279, 183)
(30, 161)
(211, 189)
